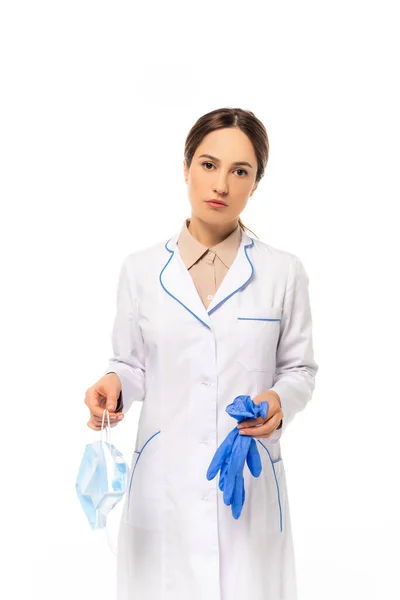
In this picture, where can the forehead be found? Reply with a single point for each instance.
(228, 144)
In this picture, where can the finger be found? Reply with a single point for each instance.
(96, 424)
(250, 422)
(270, 427)
(100, 422)
(264, 430)
(97, 399)
(113, 416)
(93, 426)
(92, 401)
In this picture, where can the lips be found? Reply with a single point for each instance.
(217, 202)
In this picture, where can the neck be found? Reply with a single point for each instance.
(210, 234)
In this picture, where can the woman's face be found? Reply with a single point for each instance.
(219, 178)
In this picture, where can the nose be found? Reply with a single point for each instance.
(221, 186)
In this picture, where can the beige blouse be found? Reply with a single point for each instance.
(208, 266)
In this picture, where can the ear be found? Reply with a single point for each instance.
(185, 170)
(254, 189)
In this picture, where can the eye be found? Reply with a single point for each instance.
(208, 163)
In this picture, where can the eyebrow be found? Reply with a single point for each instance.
(237, 163)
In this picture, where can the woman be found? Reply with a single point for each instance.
(202, 317)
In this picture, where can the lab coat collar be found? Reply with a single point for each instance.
(176, 280)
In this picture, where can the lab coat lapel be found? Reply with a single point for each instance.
(238, 276)
(176, 280)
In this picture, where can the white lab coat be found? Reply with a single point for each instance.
(178, 540)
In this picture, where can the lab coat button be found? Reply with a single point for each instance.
(206, 383)
(205, 498)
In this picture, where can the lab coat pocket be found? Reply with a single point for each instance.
(258, 333)
(273, 489)
(144, 497)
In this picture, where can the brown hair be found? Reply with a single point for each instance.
(231, 117)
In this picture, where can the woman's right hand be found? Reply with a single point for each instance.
(103, 394)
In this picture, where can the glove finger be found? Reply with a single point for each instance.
(253, 459)
(229, 484)
(222, 476)
(217, 460)
(237, 458)
(222, 453)
(238, 496)
(236, 465)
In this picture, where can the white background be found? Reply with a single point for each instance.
(96, 101)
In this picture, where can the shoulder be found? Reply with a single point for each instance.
(280, 263)
(280, 258)
(143, 263)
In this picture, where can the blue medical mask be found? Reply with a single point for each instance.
(102, 479)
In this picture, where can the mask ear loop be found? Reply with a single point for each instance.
(107, 428)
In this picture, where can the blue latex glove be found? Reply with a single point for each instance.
(255, 467)
(244, 448)
(221, 458)
(254, 464)
(234, 450)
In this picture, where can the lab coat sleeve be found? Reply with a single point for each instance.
(296, 368)
(127, 342)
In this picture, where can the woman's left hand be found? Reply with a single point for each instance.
(262, 428)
